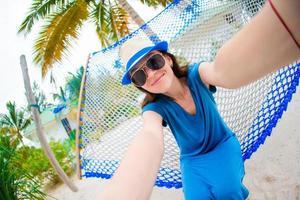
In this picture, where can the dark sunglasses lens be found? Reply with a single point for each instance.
(139, 78)
(156, 62)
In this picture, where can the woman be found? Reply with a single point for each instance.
(210, 155)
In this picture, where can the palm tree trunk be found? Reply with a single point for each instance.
(39, 128)
(137, 19)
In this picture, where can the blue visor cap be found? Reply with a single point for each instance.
(161, 46)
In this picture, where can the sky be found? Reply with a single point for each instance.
(12, 46)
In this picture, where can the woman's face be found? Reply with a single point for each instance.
(157, 81)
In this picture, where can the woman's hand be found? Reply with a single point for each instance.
(136, 175)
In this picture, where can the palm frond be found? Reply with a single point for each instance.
(113, 26)
(155, 3)
(6, 121)
(103, 37)
(4, 131)
(54, 38)
(11, 119)
(119, 22)
(23, 122)
(19, 124)
(73, 84)
(122, 19)
(61, 96)
(39, 10)
(15, 121)
(99, 15)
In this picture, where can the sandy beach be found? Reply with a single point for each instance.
(273, 172)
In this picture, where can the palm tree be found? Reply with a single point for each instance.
(40, 99)
(15, 121)
(64, 18)
(73, 85)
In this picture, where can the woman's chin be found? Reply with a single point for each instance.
(166, 86)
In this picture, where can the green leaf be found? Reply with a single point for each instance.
(99, 15)
(39, 10)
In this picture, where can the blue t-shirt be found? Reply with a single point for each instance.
(210, 154)
(195, 134)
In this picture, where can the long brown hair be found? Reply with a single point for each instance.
(179, 72)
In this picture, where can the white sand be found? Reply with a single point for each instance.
(273, 172)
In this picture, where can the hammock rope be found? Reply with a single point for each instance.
(110, 115)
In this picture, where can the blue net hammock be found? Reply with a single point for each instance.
(110, 115)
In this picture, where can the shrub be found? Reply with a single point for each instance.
(15, 183)
(35, 162)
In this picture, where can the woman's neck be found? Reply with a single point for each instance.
(179, 90)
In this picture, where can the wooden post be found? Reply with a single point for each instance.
(39, 128)
(78, 166)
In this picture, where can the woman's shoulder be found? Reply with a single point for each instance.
(157, 107)
(193, 71)
(194, 76)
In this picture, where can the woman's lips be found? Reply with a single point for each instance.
(157, 80)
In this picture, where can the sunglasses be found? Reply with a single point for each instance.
(155, 62)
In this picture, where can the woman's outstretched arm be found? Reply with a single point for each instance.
(136, 175)
(262, 46)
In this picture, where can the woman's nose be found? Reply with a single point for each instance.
(149, 72)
